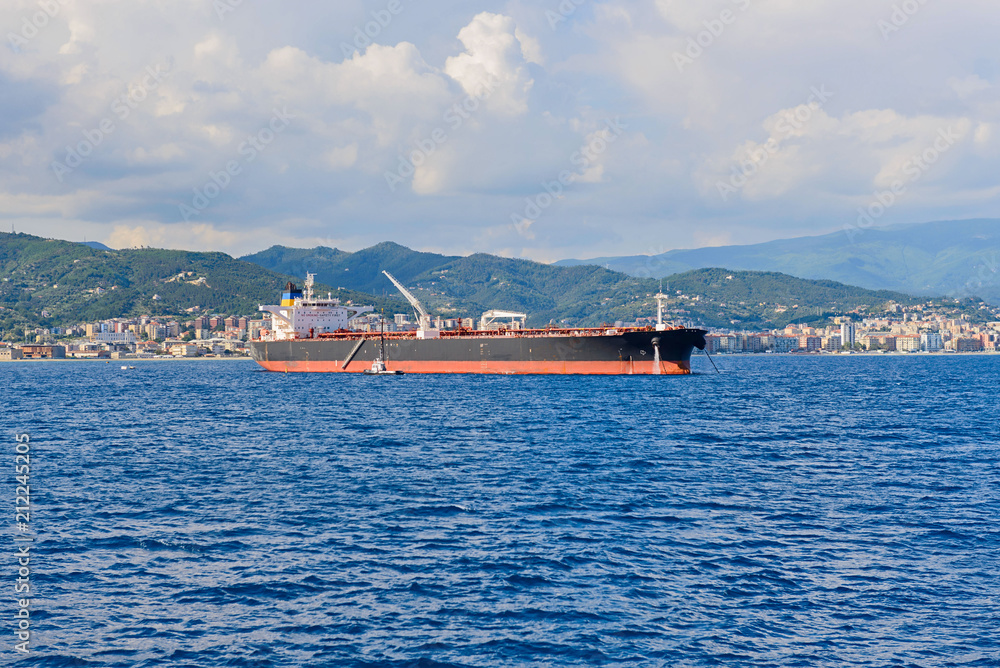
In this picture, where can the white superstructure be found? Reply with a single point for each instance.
(303, 316)
(517, 320)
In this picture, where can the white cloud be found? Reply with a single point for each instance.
(359, 116)
(173, 236)
(389, 84)
(342, 157)
(530, 47)
(968, 86)
(493, 58)
(162, 153)
(807, 150)
(80, 32)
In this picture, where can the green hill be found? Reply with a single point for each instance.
(74, 283)
(46, 283)
(577, 295)
(766, 300)
(361, 270)
(584, 294)
(468, 286)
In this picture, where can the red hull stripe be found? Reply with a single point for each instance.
(493, 367)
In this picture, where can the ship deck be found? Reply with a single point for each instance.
(490, 333)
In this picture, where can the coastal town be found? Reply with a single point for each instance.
(905, 333)
(146, 337)
(898, 330)
(139, 338)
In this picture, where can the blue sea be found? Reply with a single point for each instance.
(788, 511)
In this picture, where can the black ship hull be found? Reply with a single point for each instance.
(568, 352)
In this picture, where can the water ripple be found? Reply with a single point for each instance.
(789, 512)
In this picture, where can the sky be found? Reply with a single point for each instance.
(547, 130)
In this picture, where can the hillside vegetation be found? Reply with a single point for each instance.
(361, 270)
(584, 294)
(47, 282)
(722, 297)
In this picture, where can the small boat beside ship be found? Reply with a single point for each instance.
(380, 365)
(312, 334)
(379, 369)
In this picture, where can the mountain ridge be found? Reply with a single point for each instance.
(940, 258)
(585, 294)
(47, 283)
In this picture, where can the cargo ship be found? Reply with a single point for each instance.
(311, 334)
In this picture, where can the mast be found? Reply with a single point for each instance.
(382, 336)
(659, 310)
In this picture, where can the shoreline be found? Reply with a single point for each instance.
(131, 361)
(869, 353)
(127, 360)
